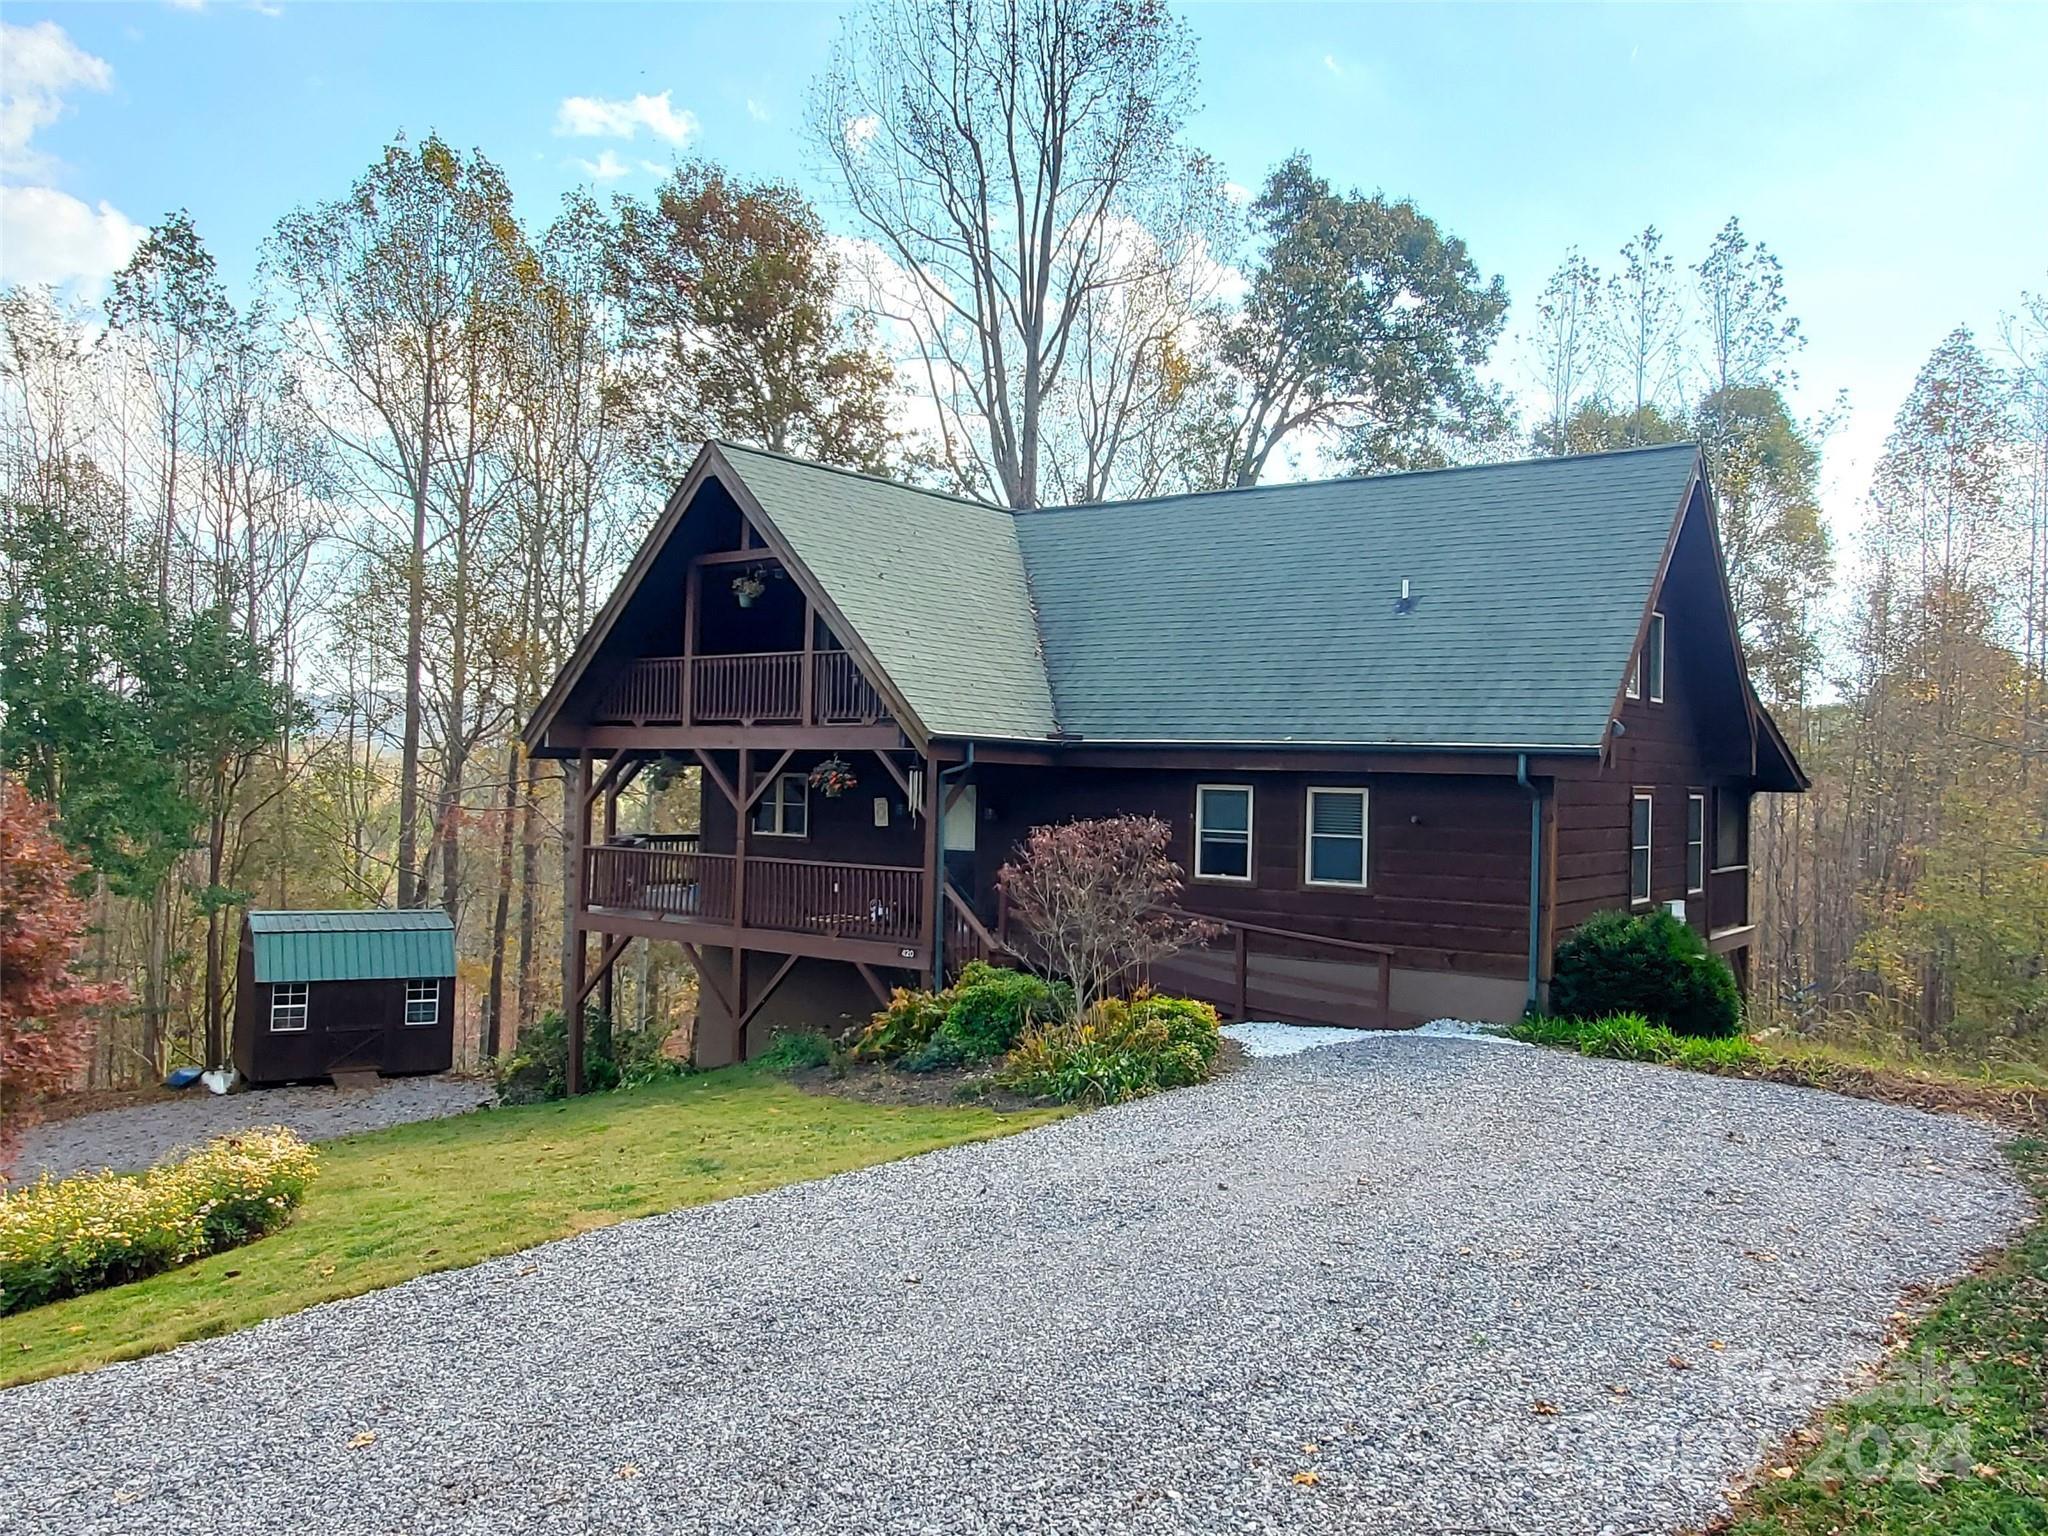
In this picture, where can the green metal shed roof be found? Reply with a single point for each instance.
(1258, 616)
(352, 946)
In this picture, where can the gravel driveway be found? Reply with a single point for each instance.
(141, 1134)
(1369, 1261)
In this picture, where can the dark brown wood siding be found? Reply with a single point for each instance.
(350, 1026)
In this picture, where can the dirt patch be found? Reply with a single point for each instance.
(90, 1100)
(2021, 1109)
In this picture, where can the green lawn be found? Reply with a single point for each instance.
(394, 1204)
(1954, 1440)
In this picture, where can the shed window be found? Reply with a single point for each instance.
(1336, 837)
(1695, 844)
(288, 1007)
(1639, 848)
(1223, 832)
(423, 1002)
(784, 809)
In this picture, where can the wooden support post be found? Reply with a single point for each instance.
(614, 947)
(742, 810)
(932, 873)
(808, 684)
(693, 587)
(617, 774)
(576, 957)
(1243, 961)
(761, 997)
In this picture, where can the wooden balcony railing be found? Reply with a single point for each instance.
(748, 688)
(883, 902)
(1728, 898)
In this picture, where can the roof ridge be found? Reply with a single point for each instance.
(1528, 461)
(975, 502)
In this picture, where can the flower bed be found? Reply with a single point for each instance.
(66, 1237)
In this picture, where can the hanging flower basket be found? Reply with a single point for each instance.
(747, 586)
(833, 778)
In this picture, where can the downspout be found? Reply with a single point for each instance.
(1535, 877)
(939, 874)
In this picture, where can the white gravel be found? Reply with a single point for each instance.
(142, 1134)
(1369, 1261)
(1265, 1039)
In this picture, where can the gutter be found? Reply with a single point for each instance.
(1535, 878)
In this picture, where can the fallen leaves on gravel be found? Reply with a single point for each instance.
(367, 1437)
(1544, 1407)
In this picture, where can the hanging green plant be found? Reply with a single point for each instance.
(833, 777)
(747, 586)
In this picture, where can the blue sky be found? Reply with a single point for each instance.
(1895, 157)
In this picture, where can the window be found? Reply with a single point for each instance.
(288, 1007)
(1639, 848)
(1695, 844)
(1336, 837)
(1651, 659)
(1223, 832)
(784, 809)
(422, 1002)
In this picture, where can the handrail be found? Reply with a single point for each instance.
(1287, 933)
(967, 915)
(885, 869)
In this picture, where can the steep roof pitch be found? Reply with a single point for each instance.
(932, 585)
(1269, 615)
(352, 946)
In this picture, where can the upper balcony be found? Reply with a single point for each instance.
(743, 689)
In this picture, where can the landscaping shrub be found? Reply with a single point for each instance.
(795, 1051)
(910, 1020)
(536, 1069)
(989, 1007)
(1631, 1037)
(981, 1015)
(66, 1237)
(1652, 965)
(1121, 1050)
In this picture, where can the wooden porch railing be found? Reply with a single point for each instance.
(1728, 898)
(884, 902)
(747, 688)
(966, 938)
(674, 882)
(762, 688)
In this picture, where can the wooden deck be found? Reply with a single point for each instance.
(820, 688)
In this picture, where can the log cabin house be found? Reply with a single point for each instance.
(1407, 729)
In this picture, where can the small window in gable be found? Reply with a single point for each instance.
(1336, 837)
(1639, 848)
(1223, 832)
(288, 1007)
(1654, 658)
(784, 809)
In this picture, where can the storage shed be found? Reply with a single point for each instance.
(326, 992)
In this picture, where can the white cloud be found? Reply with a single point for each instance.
(47, 236)
(756, 111)
(43, 67)
(598, 117)
(606, 167)
(860, 131)
(1239, 195)
(1330, 63)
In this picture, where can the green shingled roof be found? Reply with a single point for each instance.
(352, 946)
(933, 586)
(1264, 615)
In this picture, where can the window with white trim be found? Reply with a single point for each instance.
(422, 1002)
(1336, 837)
(288, 1007)
(1649, 659)
(1695, 844)
(1639, 847)
(784, 809)
(1223, 832)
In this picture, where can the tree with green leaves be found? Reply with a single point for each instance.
(1363, 320)
(731, 298)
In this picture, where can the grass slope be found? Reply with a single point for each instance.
(437, 1195)
(1954, 1440)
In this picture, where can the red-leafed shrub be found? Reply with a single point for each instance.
(45, 1023)
(1097, 902)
